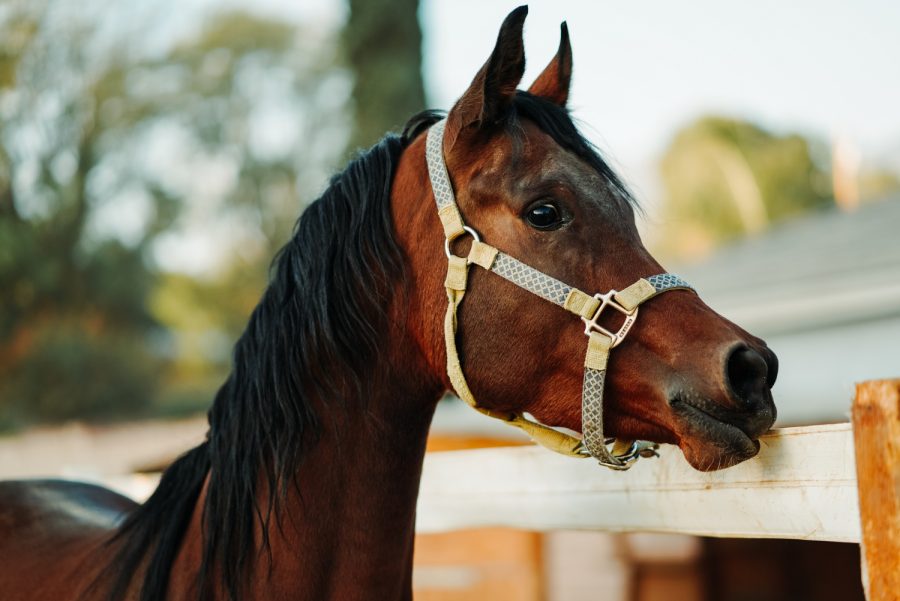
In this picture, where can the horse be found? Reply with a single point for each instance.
(306, 484)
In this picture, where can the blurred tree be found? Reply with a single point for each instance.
(110, 155)
(726, 178)
(383, 44)
(877, 183)
(264, 104)
(72, 315)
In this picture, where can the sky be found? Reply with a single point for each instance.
(644, 68)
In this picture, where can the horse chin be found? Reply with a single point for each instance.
(709, 443)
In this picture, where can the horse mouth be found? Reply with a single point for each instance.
(710, 441)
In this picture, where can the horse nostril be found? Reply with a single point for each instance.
(747, 374)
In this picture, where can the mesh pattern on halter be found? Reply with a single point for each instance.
(592, 411)
(531, 279)
(667, 281)
(437, 169)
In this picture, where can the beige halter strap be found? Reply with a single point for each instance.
(589, 308)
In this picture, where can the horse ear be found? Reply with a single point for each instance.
(491, 92)
(553, 82)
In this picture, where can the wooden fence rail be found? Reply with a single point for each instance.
(802, 485)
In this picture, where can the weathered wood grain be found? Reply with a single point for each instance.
(876, 424)
(801, 486)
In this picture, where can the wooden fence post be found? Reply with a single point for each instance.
(876, 433)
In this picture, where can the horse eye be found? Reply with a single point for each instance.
(544, 217)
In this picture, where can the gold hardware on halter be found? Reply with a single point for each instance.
(608, 300)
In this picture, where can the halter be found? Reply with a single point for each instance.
(589, 308)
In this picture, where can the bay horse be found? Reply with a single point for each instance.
(306, 485)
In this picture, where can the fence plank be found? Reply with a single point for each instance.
(801, 486)
(876, 422)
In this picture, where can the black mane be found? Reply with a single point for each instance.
(312, 336)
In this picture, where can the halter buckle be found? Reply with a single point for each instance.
(608, 300)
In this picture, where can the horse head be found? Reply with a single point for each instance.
(529, 185)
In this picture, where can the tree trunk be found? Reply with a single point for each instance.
(383, 44)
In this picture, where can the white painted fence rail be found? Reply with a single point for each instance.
(802, 485)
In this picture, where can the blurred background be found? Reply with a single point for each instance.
(154, 154)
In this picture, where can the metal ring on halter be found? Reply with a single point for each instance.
(638, 448)
(466, 230)
(625, 460)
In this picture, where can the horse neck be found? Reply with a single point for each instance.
(346, 529)
(349, 525)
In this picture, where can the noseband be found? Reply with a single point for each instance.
(589, 308)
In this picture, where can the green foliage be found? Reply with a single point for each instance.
(878, 183)
(726, 178)
(113, 148)
(102, 150)
(19, 30)
(73, 371)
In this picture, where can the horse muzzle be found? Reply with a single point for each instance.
(715, 434)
